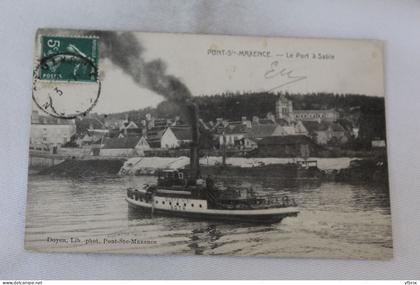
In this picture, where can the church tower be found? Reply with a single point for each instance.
(284, 108)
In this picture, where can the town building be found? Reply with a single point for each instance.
(49, 133)
(284, 130)
(129, 128)
(315, 115)
(326, 132)
(286, 146)
(85, 140)
(248, 143)
(231, 133)
(300, 128)
(142, 145)
(154, 137)
(246, 133)
(126, 146)
(175, 137)
(284, 110)
(258, 132)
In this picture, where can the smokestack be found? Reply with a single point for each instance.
(194, 149)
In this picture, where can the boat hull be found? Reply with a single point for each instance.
(249, 216)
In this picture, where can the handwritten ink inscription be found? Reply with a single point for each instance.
(281, 75)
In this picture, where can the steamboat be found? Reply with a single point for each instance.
(187, 194)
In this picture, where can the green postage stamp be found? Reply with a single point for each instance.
(66, 83)
(69, 58)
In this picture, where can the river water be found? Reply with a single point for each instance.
(336, 221)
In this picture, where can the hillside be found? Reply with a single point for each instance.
(368, 112)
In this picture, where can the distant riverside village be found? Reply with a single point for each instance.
(284, 132)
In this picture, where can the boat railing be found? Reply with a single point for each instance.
(283, 201)
(257, 203)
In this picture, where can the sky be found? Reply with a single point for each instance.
(216, 64)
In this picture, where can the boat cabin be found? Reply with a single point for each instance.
(171, 177)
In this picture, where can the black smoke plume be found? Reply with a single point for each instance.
(125, 50)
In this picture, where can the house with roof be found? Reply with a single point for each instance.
(129, 128)
(175, 137)
(284, 130)
(256, 128)
(154, 137)
(286, 146)
(126, 146)
(326, 132)
(247, 144)
(232, 133)
(49, 133)
(95, 136)
(84, 139)
(246, 134)
(142, 145)
(339, 135)
(300, 128)
(258, 132)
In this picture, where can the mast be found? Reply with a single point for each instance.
(224, 149)
(194, 149)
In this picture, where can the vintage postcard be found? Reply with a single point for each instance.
(156, 143)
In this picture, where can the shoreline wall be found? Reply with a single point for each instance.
(85, 167)
(328, 169)
(39, 163)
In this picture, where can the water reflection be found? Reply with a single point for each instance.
(203, 238)
(138, 214)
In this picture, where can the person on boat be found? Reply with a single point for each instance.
(200, 182)
(211, 193)
(209, 183)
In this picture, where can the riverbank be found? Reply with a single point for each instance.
(85, 168)
(343, 169)
(148, 165)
